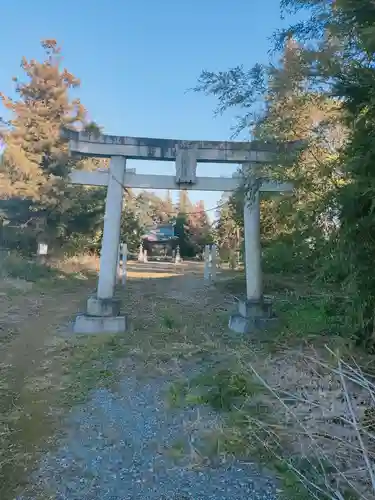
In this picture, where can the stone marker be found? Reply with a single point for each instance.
(140, 254)
(210, 263)
(178, 256)
(213, 262)
(122, 262)
(42, 252)
(207, 263)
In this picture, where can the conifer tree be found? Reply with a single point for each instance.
(36, 157)
(184, 204)
(36, 160)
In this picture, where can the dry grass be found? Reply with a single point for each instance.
(77, 264)
(326, 412)
(303, 412)
(40, 369)
(308, 415)
(89, 263)
(309, 418)
(149, 275)
(33, 366)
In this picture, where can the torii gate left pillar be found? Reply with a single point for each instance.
(103, 310)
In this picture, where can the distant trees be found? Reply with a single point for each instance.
(229, 227)
(200, 227)
(192, 226)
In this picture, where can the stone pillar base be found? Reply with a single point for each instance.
(102, 316)
(93, 325)
(252, 316)
(103, 307)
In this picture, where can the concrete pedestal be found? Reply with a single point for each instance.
(102, 316)
(103, 307)
(253, 315)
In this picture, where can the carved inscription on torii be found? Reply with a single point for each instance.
(186, 163)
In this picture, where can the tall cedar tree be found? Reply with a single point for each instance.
(36, 160)
(200, 228)
(35, 156)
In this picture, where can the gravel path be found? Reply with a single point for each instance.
(118, 445)
(115, 448)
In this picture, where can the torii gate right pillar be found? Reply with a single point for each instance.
(253, 269)
(254, 310)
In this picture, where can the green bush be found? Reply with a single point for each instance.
(289, 257)
(18, 267)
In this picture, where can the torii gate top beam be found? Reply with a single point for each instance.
(145, 148)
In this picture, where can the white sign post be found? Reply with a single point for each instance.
(42, 253)
(42, 249)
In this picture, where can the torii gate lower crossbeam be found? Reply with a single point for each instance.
(103, 314)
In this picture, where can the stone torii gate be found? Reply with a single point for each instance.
(103, 311)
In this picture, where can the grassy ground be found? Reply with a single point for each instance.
(44, 372)
(280, 394)
(35, 362)
(297, 398)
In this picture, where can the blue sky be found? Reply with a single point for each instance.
(137, 59)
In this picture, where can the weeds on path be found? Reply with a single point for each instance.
(307, 413)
